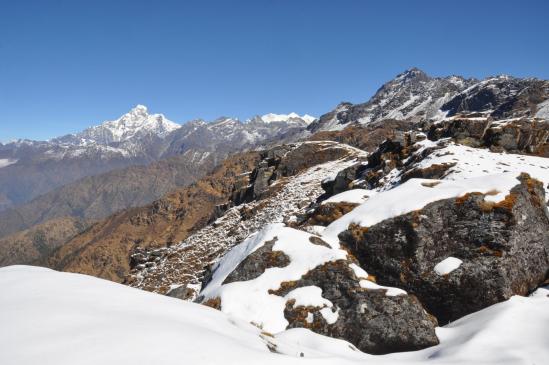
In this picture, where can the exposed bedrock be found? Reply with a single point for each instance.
(504, 249)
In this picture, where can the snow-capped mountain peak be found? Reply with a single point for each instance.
(292, 117)
(413, 73)
(137, 122)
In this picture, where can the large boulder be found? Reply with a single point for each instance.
(463, 254)
(284, 278)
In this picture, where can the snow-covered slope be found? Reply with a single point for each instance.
(467, 162)
(65, 319)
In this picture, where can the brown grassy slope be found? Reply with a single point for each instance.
(96, 197)
(103, 249)
(38, 242)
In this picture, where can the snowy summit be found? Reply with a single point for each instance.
(136, 123)
(271, 117)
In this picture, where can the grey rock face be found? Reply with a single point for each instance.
(501, 97)
(467, 130)
(411, 95)
(343, 179)
(369, 319)
(389, 155)
(257, 262)
(521, 135)
(504, 248)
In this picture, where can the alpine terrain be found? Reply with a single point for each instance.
(411, 228)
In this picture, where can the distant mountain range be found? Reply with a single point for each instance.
(31, 168)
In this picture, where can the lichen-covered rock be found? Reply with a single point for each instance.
(503, 248)
(391, 155)
(467, 130)
(519, 136)
(373, 321)
(257, 262)
(284, 278)
(325, 214)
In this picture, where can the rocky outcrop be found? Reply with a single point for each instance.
(519, 135)
(399, 155)
(467, 129)
(503, 247)
(366, 137)
(283, 161)
(257, 262)
(373, 321)
(324, 290)
(390, 154)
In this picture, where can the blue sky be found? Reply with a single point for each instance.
(65, 65)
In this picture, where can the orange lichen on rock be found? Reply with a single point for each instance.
(508, 203)
(213, 303)
(284, 288)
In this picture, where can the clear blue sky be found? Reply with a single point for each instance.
(65, 65)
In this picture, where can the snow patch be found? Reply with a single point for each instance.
(389, 291)
(543, 110)
(272, 117)
(356, 196)
(447, 265)
(329, 315)
(5, 162)
(308, 296)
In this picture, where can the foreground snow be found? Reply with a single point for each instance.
(49, 317)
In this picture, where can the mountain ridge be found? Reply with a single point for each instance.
(32, 168)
